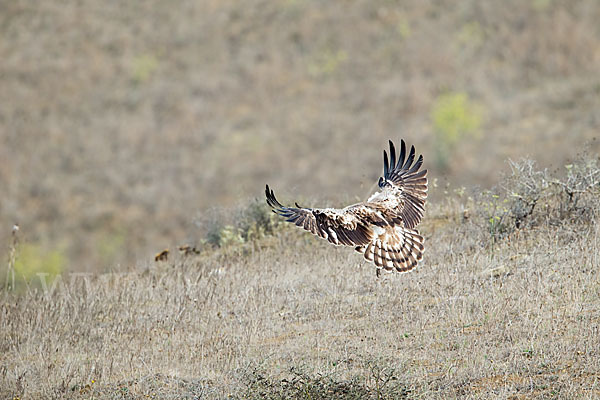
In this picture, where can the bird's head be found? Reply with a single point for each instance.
(383, 182)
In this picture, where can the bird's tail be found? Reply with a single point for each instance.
(398, 249)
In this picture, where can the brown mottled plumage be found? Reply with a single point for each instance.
(383, 227)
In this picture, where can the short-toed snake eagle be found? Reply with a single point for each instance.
(383, 227)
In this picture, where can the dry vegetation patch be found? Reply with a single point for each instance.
(287, 316)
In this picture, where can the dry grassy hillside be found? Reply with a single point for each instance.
(130, 127)
(122, 123)
(505, 305)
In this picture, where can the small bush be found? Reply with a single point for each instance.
(326, 63)
(541, 5)
(471, 34)
(32, 260)
(579, 191)
(299, 384)
(530, 197)
(255, 221)
(222, 235)
(143, 67)
(246, 224)
(454, 118)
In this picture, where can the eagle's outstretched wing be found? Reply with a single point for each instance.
(344, 226)
(382, 228)
(408, 182)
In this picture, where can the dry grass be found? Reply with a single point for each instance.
(288, 316)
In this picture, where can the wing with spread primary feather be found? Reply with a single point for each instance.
(383, 227)
(404, 177)
(345, 226)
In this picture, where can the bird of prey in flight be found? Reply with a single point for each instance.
(381, 228)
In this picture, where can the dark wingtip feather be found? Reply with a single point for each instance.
(271, 200)
(410, 158)
(385, 164)
(416, 165)
(267, 195)
(392, 155)
(402, 154)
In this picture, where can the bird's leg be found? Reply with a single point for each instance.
(378, 272)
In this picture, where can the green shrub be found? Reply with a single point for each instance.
(471, 34)
(403, 28)
(248, 223)
(255, 221)
(326, 63)
(541, 5)
(143, 67)
(454, 119)
(32, 260)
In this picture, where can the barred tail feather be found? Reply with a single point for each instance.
(398, 252)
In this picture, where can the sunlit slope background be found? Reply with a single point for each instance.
(123, 123)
